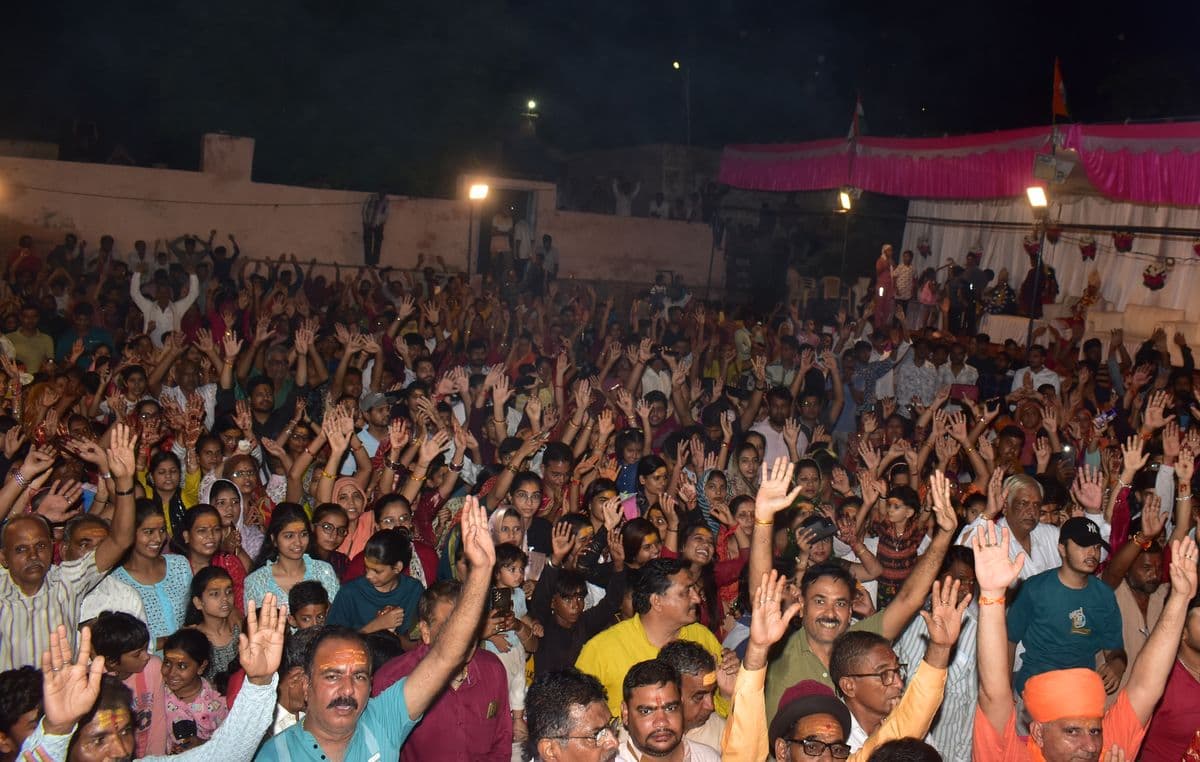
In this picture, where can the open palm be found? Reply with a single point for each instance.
(993, 569)
(773, 494)
(768, 622)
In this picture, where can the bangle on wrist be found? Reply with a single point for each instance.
(125, 492)
(20, 479)
(327, 475)
(1181, 498)
(985, 601)
(768, 523)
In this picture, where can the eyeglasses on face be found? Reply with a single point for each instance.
(244, 473)
(602, 736)
(523, 495)
(814, 748)
(328, 528)
(886, 676)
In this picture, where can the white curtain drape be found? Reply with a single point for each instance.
(1120, 274)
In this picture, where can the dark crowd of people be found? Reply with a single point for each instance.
(263, 509)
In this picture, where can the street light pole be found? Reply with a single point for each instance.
(476, 193)
(687, 99)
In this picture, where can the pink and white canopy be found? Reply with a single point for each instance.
(1144, 163)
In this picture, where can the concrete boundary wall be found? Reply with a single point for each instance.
(48, 198)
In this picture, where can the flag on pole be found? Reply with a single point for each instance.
(858, 121)
(1058, 105)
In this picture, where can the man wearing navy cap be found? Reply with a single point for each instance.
(1066, 616)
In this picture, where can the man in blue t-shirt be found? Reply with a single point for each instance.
(342, 721)
(1065, 616)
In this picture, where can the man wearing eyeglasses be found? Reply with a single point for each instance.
(569, 720)
(652, 713)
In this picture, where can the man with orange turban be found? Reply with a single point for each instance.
(1066, 706)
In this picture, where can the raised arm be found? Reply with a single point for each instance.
(121, 460)
(1154, 664)
(994, 572)
(461, 630)
(773, 496)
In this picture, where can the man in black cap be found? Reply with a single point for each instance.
(812, 720)
(1065, 616)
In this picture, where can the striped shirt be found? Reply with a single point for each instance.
(26, 621)
(951, 731)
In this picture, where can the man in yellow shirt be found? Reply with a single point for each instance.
(665, 601)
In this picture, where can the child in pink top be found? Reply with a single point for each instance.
(194, 709)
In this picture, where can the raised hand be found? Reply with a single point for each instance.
(773, 493)
(944, 621)
(984, 447)
(231, 344)
(642, 409)
(121, 451)
(720, 512)
(62, 501)
(943, 509)
(1088, 489)
(304, 341)
(1154, 518)
(1155, 407)
(1183, 568)
(1132, 457)
(1170, 440)
(38, 461)
(605, 425)
(994, 571)
(839, 480)
(791, 431)
(687, 492)
(997, 493)
(478, 547)
(399, 435)
(69, 687)
(13, 439)
(562, 542)
(1041, 451)
(1185, 466)
(870, 456)
(768, 622)
(260, 647)
(432, 447)
(335, 432)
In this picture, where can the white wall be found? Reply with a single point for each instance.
(50, 198)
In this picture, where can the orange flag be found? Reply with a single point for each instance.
(1059, 103)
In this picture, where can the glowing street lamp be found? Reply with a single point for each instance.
(478, 191)
(1037, 196)
(845, 201)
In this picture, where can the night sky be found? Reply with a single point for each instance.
(404, 95)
